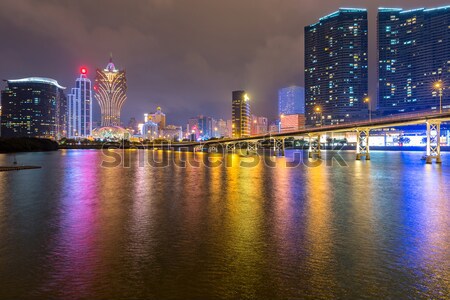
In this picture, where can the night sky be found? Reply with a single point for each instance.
(183, 55)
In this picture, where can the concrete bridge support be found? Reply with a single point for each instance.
(433, 142)
(362, 143)
(230, 147)
(252, 146)
(198, 148)
(278, 146)
(314, 149)
(213, 148)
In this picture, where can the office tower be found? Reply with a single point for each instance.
(158, 117)
(110, 92)
(413, 53)
(336, 68)
(241, 114)
(79, 107)
(291, 101)
(33, 107)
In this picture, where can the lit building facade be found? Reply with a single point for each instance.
(336, 77)
(413, 53)
(222, 130)
(291, 100)
(259, 125)
(172, 133)
(150, 130)
(241, 114)
(292, 122)
(202, 127)
(158, 117)
(79, 107)
(111, 93)
(34, 107)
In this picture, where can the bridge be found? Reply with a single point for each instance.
(362, 129)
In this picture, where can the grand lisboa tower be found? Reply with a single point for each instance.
(111, 93)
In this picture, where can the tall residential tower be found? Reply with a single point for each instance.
(413, 53)
(110, 92)
(336, 80)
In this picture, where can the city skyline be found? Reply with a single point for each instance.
(269, 60)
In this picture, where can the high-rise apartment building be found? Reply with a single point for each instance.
(33, 107)
(241, 115)
(413, 53)
(79, 107)
(336, 80)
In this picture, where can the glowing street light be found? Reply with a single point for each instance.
(367, 100)
(318, 111)
(439, 86)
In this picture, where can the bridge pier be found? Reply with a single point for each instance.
(213, 148)
(278, 146)
(252, 146)
(198, 148)
(362, 143)
(314, 149)
(230, 147)
(433, 142)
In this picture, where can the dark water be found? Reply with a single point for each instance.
(76, 230)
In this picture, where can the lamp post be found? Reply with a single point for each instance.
(439, 86)
(318, 111)
(279, 124)
(367, 100)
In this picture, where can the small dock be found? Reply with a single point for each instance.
(18, 168)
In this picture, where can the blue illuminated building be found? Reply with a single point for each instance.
(336, 77)
(413, 53)
(291, 101)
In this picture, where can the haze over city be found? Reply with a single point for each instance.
(185, 56)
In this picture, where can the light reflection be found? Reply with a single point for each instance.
(320, 260)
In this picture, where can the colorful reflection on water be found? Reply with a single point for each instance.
(74, 229)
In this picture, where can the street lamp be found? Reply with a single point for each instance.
(279, 124)
(318, 111)
(439, 86)
(367, 100)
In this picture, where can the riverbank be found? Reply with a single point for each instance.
(25, 144)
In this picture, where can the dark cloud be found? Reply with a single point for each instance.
(184, 55)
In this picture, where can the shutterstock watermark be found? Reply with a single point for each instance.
(217, 155)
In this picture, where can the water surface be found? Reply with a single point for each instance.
(77, 230)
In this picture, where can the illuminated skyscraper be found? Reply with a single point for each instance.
(291, 101)
(33, 107)
(336, 67)
(79, 107)
(413, 53)
(241, 114)
(110, 92)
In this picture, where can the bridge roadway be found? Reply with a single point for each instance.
(362, 129)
